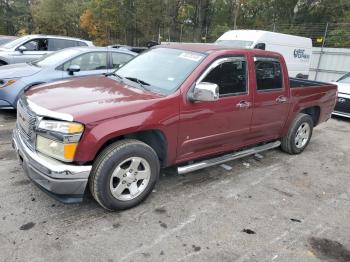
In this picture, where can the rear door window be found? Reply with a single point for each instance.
(58, 44)
(119, 59)
(79, 43)
(268, 72)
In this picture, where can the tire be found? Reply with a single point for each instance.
(2, 63)
(124, 174)
(299, 135)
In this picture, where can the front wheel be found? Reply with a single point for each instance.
(299, 135)
(124, 174)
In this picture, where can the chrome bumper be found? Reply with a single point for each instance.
(343, 114)
(66, 183)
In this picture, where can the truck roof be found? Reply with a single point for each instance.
(209, 48)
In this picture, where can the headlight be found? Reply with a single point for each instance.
(60, 126)
(8, 82)
(58, 139)
(55, 149)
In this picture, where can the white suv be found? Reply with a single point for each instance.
(33, 47)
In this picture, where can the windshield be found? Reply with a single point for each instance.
(163, 69)
(235, 43)
(15, 42)
(56, 57)
(345, 79)
(4, 40)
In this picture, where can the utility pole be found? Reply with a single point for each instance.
(321, 53)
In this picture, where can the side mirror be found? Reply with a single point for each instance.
(22, 48)
(73, 69)
(205, 91)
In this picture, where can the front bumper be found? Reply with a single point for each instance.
(343, 114)
(66, 183)
(10, 94)
(4, 104)
(342, 107)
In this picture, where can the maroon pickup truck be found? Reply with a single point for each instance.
(192, 106)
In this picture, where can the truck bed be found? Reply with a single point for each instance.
(308, 94)
(297, 82)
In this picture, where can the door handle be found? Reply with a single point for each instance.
(281, 99)
(243, 104)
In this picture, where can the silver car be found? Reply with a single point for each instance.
(32, 47)
(6, 38)
(63, 64)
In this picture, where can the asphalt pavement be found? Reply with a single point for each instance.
(273, 207)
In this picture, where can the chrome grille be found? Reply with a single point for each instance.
(343, 105)
(26, 121)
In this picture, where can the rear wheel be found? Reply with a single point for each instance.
(124, 174)
(299, 135)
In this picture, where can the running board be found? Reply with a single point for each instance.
(222, 159)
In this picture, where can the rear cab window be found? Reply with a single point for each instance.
(269, 75)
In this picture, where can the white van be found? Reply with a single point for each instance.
(296, 50)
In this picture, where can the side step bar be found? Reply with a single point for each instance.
(222, 159)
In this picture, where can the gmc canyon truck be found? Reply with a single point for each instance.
(192, 106)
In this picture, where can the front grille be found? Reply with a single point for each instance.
(343, 105)
(26, 121)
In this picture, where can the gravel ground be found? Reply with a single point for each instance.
(278, 208)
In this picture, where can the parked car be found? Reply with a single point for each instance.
(63, 64)
(173, 105)
(342, 108)
(136, 49)
(6, 38)
(32, 47)
(296, 50)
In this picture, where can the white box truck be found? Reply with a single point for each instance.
(296, 50)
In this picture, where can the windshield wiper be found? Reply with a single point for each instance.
(114, 74)
(33, 63)
(140, 82)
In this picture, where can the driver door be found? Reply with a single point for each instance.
(35, 49)
(217, 126)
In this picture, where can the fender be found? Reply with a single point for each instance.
(98, 134)
(25, 89)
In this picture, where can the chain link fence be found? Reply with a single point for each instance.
(322, 34)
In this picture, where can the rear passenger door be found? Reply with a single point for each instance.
(271, 99)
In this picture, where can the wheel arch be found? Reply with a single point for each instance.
(314, 112)
(155, 138)
(3, 61)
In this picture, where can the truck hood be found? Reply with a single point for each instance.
(90, 99)
(18, 70)
(343, 87)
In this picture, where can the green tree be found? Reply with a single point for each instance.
(58, 16)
